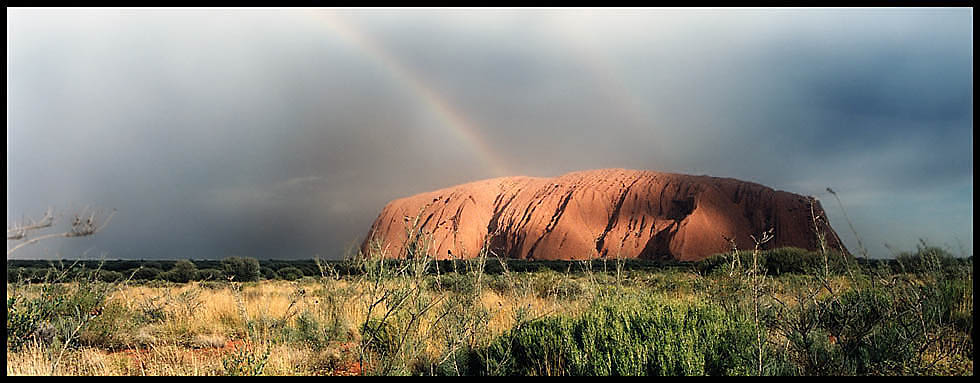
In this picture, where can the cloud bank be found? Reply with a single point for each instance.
(282, 133)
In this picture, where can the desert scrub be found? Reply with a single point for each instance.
(309, 329)
(928, 259)
(874, 321)
(625, 337)
(550, 283)
(245, 361)
(464, 284)
(113, 329)
(668, 281)
(885, 330)
(54, 312)
(501, 284)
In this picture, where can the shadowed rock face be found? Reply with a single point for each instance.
(601, 213)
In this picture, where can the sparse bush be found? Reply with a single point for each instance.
(269, 273)
(383, 337)
(712, 264)
(775, 262)
(290, 273)
(499, 284)
(550, 283)
(569, 289)
(209, 275)
(111, 328)
(241, 269)
(790, 260)
(14, 274)
(929, 259)
(245, 362)
(25, 317)
(183, 271)
(55, 313)
(147, 273)
(109, 276)
(311, 331)
(464, 284)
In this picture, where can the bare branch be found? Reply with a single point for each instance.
(20, 231)
(81, 226)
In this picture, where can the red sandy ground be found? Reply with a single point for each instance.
(138, 356)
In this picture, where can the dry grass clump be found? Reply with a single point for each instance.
(311, 327)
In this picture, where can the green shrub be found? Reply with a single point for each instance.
(623, 337)
(241, 269)
(791, 260)
(109, 276)
(110, 329)
(209, 275)
(463, 284)
(543, 283)
(269, 273)
(499, 283)
(381, 337)
(779, 261)
(27, 274)
(887, 328)
(25, 317)
(58, 312)
(929, 259)
(290, 273)
(183, 271)
(313, 332)
(19, 274)
(550, 283)
(245, 362)
(713, 263)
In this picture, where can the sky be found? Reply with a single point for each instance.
(281, 133)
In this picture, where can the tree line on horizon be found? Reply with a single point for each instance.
(246, 269)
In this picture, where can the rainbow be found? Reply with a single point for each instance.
(605, 75)
(465, 130)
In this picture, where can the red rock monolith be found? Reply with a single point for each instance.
(600, 213)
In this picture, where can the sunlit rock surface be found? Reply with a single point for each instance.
(601, 213)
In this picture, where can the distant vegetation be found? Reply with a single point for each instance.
(787, 260)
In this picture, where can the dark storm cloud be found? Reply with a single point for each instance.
(269, 133)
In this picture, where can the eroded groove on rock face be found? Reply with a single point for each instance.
(601, 213)
(600, 242)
